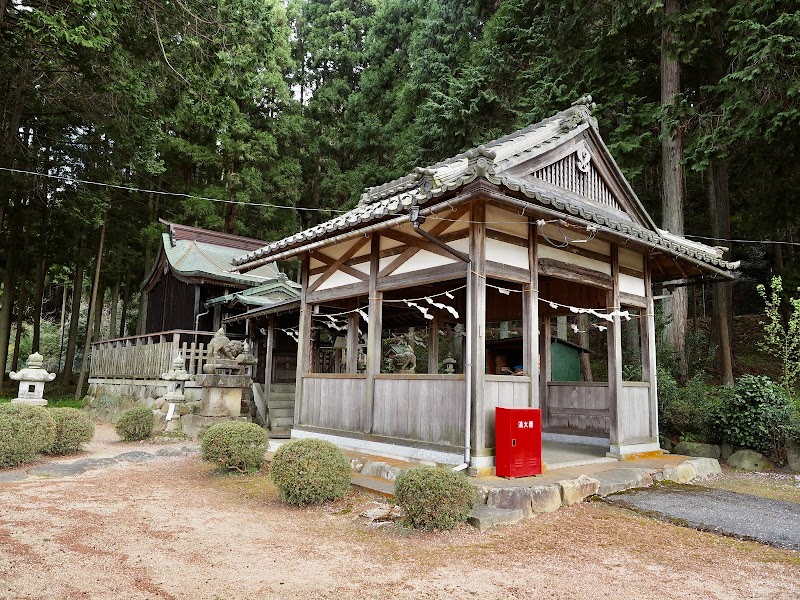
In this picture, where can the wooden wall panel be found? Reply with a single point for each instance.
(425, 409)
(581, 406)
(333, 402)
(503, 391)
(634, 412)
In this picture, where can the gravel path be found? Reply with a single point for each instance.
(174, 528)
(742, 515)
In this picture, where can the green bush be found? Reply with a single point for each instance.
(757, 414)
(73, 428)
(433, 497)
(687, 411)
(39, 423)
(309, 471)
(235, 446)
(135, 424)
(17, 443)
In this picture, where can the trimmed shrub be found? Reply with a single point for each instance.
(235, 446)
(39, 423)
(757, 414)
(433, 497)
(17, 444)
(73, 428)
(310, 471)
(135, 424)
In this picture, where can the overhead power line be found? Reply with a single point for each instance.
(67, 178)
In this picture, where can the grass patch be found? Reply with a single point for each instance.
(63, 401)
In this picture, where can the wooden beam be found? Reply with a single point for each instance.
(422, 277)
(374, 328)
(632, 300)
(268, 366)
(415, 242)
(574, 273)
(303, 341)
(352, 340)
(648, 337)
(339, 263)
(350, 290)
(433, 343)
(477, 254)
(545, 369)
(508, 238)
(507, 272)
(434, 231)
(342, 267)
(614, 338)
(530, 310)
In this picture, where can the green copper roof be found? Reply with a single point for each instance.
(278, 289)
(196, 259)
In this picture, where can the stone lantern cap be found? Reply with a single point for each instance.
(34, 371)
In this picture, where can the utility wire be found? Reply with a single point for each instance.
(163, 193)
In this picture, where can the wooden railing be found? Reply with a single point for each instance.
(149, 356)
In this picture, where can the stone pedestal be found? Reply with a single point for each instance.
(222, 394)
(31, 381)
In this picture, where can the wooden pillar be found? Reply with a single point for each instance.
(614, 354)
(352, 341)
(530, 318)
(433, 344)
(268, 366)
(545, 368)
(477, 254)
(374, 327)
(303, 341)
(648, 339)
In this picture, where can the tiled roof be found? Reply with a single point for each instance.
(278, 289)
(493, 162)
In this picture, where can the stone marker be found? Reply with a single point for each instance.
(793, 457)
(31, 381)
(749, 460)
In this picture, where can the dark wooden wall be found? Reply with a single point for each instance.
(171, 305)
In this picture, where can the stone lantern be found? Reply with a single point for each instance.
(31, 381)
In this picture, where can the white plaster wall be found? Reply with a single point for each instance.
(507, 221)
(423, 260)
(507, 254)
(547, 251)
(631, 285)
(552, 232)
(336, 280)
(631, 260)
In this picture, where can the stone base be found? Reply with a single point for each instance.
(222, 395)
(628, 451)
(33, 401)
(194, 425)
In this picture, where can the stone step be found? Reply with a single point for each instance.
(278, 433)
(281, 421)
(281, 404)
(485, 517)
(275, 413)
(619, 480)
(282, 388)
(281, 398)
(373, 485)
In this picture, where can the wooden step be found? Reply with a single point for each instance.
(278, 422)
(282, 388)
(281, 404)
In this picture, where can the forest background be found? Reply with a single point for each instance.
(263, 116)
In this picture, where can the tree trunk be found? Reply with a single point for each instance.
(22, 300)
(41, 273)
(75, 314)
(9, 280)
(95, 306)
(97, 327)
(673, 184)
(61, 328)
(722, 292)
(126, 296)
(114, 301)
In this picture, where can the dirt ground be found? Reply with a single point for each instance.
(174, 528)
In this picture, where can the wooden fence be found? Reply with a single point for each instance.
(149, 356)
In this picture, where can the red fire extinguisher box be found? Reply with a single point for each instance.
(518, 442)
